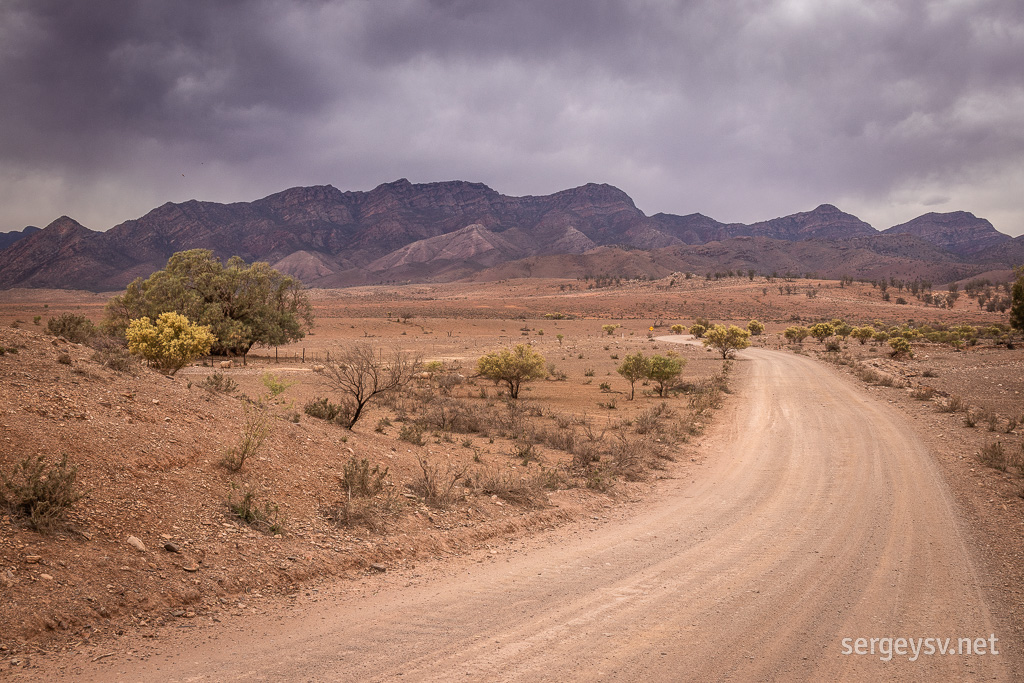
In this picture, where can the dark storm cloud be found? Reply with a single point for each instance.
(742, 110)
(88, 77)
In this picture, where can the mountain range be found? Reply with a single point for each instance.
(402, 232)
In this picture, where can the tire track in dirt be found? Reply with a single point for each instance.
(818, 516)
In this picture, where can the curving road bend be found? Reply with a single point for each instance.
(817, 516)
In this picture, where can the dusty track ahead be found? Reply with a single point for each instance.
(819, 516)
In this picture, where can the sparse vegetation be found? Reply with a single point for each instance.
(255, 430)
(74, 328)
(727, 340)
(436, 486)
(900, 347)
(512, 367)
(363, 373)
(40, 493)
(218, 382)
(244, 502)
(569, 441)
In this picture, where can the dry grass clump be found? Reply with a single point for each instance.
(923, 393)
(436, 485)
(706, 394)
(632, 457)
(519, 489)
(218, 382)
(453, 415)
(244, 501)
(994, 455)
(650, 420)
(322, 408)
(113, 354)
(40, 494)
(255, 430)
(367, 498)
(953, 404)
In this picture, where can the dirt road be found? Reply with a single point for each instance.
(817, 516)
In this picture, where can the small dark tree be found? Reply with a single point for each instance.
(363, 372)
(512, 367)
(664, 371)
(796, 334)
(862, 334)
(822, 331)
(634, 368)
(727, 339)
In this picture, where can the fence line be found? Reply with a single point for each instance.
(293, 356)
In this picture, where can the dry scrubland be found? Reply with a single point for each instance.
(465, 468)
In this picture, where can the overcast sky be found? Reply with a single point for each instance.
(739, 109)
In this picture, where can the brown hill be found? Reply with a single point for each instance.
(9, 238)
(402, 231)
(59, 256)
(869, 258)
(1009, 254)
(959, 232)
(474, 243)
(824, 222)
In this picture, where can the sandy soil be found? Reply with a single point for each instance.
(817, 508)
(818, 515)
(148, 452)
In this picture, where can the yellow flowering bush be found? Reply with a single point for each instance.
(171, 344)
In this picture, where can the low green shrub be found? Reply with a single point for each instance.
(74, 328)
(243, 502)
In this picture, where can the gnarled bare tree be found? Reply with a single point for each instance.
(362, 372)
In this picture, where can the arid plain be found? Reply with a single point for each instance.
(84, 603)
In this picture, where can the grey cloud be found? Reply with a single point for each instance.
(741, 109)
